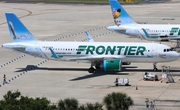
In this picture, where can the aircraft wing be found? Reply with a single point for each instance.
(173, 38)
(158, 37)
(99, 57)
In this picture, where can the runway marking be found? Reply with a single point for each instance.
(15, 59)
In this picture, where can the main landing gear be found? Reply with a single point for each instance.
(91, 70)
(96, 64)
(154, 67)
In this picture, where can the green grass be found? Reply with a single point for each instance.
(77, 1)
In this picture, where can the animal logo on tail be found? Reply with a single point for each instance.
(116, 14)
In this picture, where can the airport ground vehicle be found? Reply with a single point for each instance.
(150, 76)
(122, 81)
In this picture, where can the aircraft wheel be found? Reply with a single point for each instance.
(91, 70)
(155, 69)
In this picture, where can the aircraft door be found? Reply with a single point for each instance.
(38, 50)
(154, 51)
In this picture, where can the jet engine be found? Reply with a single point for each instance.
(112, 65)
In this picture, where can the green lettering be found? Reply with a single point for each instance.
(173, 30)
(100, 50)
(179, 32)
(140, 50)
(90, 50)
(119, 49)
(126, 50)
(110, 50)
(81, 48)
(132, 50)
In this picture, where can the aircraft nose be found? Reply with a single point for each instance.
(176, 55)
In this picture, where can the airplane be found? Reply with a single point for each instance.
(124, 24)
(105, 55)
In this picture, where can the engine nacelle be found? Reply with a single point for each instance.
(112, 65)
(126, 63)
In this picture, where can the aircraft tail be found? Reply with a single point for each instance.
(18, 31)
(120, 15)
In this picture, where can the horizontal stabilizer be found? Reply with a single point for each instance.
(116, 28)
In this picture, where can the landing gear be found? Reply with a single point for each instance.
(94, 65)
(91, 70)
(154, 67)
(97, 66)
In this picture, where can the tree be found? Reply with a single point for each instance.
(89, 106)
(15, 101)
(118, 101)
(68, 104)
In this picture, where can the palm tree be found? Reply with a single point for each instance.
(68, 104)
(16, 101)
(118, 101)
(90, 106)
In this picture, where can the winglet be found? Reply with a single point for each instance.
(90, 39)
(18, 31)
(120, 15)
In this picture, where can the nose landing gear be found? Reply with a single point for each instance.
(155, 67)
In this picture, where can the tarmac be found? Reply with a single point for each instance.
(38, 77)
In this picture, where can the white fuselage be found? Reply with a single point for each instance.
(125, 51)
(157, 32)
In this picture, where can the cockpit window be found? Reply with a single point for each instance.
(167, 50)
